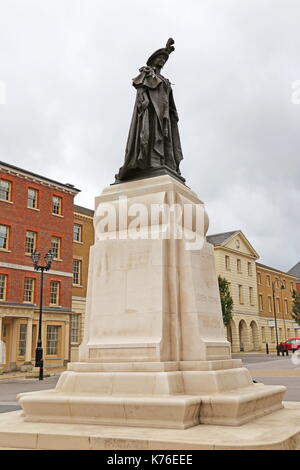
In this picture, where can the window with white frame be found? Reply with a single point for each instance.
(77, 233)
(3, 283)
(56, 247)
(52, 340)
(286, 306)
(270, 303)
(54, 292)
(32, 198)
(4, 237)
(261, 303)
(22, 339)
(241, 294)
(239, 265)
(56, 205)
(30, 242)
(227, 262)
(278, 305)
(28, 289)
(251, 297)
(5, 190)
(249, 269)
(77, 272)
(75, 325)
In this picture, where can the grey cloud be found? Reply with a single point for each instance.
(68, 66)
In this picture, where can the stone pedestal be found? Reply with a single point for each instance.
(151, 297)
(154, 352)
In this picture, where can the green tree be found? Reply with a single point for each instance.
(296, 306)
(226, 300)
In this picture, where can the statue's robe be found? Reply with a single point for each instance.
(153, 139)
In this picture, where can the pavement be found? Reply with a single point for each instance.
(19, 374)
(13, 383)
(274, 370)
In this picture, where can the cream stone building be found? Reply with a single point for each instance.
(253, 325)
(275, 294)
(83, 238)
(236, 261)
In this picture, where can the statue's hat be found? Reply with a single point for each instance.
(166, 51)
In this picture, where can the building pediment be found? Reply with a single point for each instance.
(239, 243)
(233, 241)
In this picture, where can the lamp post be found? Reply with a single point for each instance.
(39, 349)
(273, 292)
(281, 289)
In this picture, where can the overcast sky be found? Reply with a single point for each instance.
(68, 64)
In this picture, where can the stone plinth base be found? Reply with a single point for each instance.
(277, 431)
(153, 352)
(164, 395)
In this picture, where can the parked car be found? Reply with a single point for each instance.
(292, 344)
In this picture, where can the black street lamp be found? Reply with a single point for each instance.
(39, 350)
(273, 291)
(282, 288)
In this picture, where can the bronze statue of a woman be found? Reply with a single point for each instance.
(153, 146)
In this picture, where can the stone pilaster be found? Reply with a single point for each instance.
(235, 345)
(28, 342)
(67, 343)
(14, 344)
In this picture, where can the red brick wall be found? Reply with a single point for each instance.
(20, 219)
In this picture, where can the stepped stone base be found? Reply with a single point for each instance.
(277, 431)
(163, 395)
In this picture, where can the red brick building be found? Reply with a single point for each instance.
(36, 213)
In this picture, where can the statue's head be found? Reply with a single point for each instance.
(160, 57)
(158, 61)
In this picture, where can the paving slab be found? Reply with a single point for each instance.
(275, 373)
(279, 430)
